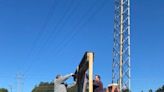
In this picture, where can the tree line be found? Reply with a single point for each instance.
(49, 87)
(161, 89)
(3, 90)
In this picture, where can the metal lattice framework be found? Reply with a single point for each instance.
(121, 48)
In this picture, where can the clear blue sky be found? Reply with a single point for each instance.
(42, 38)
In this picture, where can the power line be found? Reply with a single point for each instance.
(75, 27)
(59, 22)
(82, 23)
(68, 12)
(49, 16)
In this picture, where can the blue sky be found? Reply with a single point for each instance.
(42, 38)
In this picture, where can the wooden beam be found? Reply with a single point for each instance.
(85, 65)
(90, 60)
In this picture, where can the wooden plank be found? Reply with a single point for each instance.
(90, 60)
(85, 65)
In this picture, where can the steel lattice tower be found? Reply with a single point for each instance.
(121, 48)
(19, 77)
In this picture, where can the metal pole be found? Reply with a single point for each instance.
(121, 46)
(10, 88)
(129, 44)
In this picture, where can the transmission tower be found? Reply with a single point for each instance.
(121, 48)
(19, 78)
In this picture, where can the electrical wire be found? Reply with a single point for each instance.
(81, 24)
(48, 18)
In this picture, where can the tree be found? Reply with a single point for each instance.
(3, 90)
(48, 87)
(44, 87)
(150, 90)
(161, 89)
(125, 90)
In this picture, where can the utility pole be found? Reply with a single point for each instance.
(10, 87)
(121, 48)
(19, 78)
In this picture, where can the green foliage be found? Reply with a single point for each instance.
(160, 89)
(48, 87)
(3, 90)
(150, 90)
(44, 87)
(73, 89)
(126, 90)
